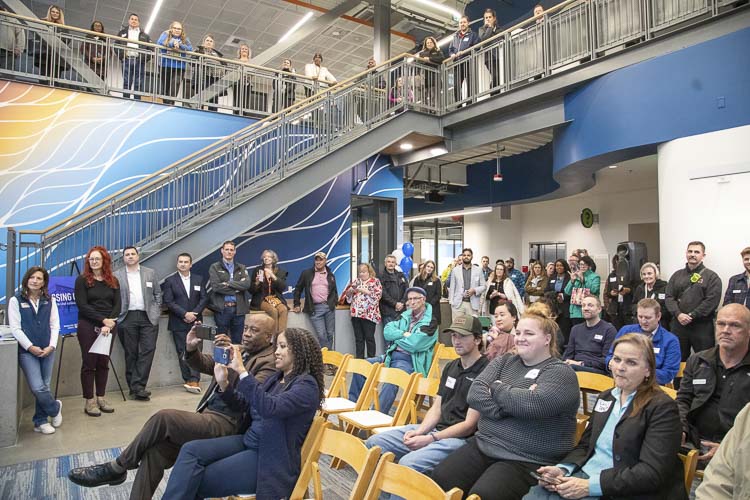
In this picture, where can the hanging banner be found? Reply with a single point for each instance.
(62, 288)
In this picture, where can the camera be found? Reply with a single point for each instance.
(204, 332)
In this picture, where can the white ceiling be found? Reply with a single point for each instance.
(632, 175)
(346, 45)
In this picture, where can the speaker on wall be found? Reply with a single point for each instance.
(633, 254)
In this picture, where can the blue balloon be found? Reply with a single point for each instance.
(408, 249)
(406, 265)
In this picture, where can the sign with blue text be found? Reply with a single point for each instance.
(62, 288)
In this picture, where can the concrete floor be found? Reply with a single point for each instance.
(80, 433)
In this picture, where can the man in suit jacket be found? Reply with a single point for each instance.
(139, 321)
(185, 296)
(467, 285)
(155, 448)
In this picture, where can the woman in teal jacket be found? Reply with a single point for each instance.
(172, 61)
(585, 277)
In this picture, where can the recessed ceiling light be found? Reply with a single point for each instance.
(613, 166)
(407, 146)
(438, 151)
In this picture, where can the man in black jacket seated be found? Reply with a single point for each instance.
(155, 448)
(321, 295)
(716, 383)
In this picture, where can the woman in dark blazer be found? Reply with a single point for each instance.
(268, 285)
(629, 449)
(428, 280)
(651, 287)
(266, 459)
(556, 292)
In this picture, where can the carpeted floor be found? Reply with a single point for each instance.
(48, 479)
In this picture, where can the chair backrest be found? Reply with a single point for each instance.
(442, 353)
(342, 446)
(680, 374)
(318, 424)
(424, 387)
(690, 463)
(592, 383)
(581, 422)
(402, 380)
(670, 392)
(405, 482)
(338, 360)
(350, 367)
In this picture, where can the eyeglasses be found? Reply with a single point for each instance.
(94, 259)
(411, 299)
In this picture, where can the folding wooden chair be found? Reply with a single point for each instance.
(337, 400)
(336, 359)
(671, 392)
(592, 383)
(366, 420)
(581, 422)
(424, 387)
(680, 374)
(406, 483)
(690, 463)
(344, 447)
(442, 353)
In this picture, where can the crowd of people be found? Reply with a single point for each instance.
(503, 424)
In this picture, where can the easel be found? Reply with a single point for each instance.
(74, 266)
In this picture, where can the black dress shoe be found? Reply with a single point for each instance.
(97, 475)
(142, 395)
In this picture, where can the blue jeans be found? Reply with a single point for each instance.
(133, 69)
(216, 467)
(229, 322)
(539, 493)
(324, 323)
(38, 373)
(388, 392)
(422, 460)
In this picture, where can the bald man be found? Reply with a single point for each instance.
(716, 383)
(155, 448)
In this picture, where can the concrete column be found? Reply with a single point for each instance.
(382, 26)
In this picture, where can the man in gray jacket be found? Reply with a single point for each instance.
(138, 324)
(467, 286)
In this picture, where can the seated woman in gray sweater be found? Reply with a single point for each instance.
(527, 404)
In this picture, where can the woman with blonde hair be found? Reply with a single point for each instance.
(172, 61)
(536, 284)
(267, 288)
(500, 288)
(364, 296)
(242, 90)
(629, 449)
(651, 287)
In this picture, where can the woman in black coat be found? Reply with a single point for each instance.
(651, 287)
(428, 280)
(433, 56)
(556, 292)
(267, 288)
(629, 449)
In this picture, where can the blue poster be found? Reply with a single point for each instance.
(62, 288)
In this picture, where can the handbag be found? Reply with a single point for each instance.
(273, 300)
(578, 294)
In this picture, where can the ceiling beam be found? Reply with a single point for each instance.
(315, 25)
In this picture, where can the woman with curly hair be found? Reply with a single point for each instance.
(35, 324)
(268, 285)
(98, 300)
(281, 411)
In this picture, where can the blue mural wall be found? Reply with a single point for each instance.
(319, 222)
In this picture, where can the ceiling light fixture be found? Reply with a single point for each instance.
(297, 26)
(407, 146)
(498, 177)
(154, 13)
(466, 211)
(613, 166)
(437, 151)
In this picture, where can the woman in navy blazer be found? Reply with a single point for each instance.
(629, 449)
(281, 411)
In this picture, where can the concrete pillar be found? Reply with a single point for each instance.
(382, 26)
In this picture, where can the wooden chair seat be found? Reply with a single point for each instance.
(406, 483)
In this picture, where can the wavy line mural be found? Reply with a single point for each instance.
(62, 151)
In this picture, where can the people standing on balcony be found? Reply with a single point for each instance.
(140, 296)
(49, 62)
(229, 283)
(35, 324)
(492, 56)
(12, 42)
(268, 283)
(284, 88)
(98, 300)
(133, 61)
(463, 40)
(172, 61)
(242, 89)
(322, 78)
(95, 50)
(321, 297)
(211, 72)
(433, 56)
(401, 92)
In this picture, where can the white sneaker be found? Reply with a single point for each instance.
(57, 419)
(45, 429)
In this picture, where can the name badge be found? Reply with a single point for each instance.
(598, 337)
(25, 305)
(602, 406)
(149, 284)
(197, 288)
(736, 291)
(699, 381)
(429, 284)
(532, 374)
(450, 382)
(662, 296)
(612, 280)
(656, 350)
(552, 281)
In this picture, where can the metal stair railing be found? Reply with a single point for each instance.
(179, 198)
